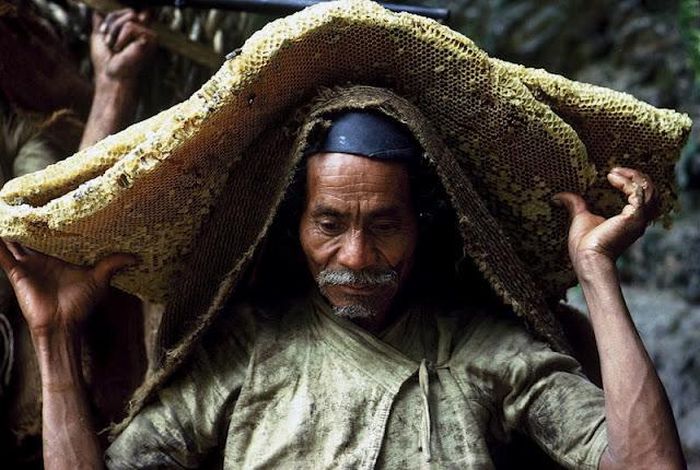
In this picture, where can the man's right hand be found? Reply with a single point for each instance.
(56, 296)
(121, 44)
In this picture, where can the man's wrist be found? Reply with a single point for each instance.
(113, 107)
(59, 357)
(115, 97)
(592, 267)
(108, 85)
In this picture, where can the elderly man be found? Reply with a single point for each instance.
(288, 214)
(364, 371)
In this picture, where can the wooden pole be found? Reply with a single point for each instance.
(286, 7)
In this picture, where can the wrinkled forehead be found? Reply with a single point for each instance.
(350, 175)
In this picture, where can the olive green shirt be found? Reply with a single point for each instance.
(306, 389)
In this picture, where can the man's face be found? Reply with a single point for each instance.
(358, 232)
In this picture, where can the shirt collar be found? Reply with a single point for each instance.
(384, 363)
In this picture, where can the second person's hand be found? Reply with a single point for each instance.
(121, 45)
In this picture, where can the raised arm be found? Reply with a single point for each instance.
(56, 298)
(641, 429)
(120, 46)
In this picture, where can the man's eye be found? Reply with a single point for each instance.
(385, 228)
(329, 227)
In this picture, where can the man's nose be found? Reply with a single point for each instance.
(357, 251)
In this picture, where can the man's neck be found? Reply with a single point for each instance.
(376, 324)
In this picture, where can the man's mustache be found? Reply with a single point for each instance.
(371, 277)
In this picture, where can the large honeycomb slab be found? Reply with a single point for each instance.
(519, 135)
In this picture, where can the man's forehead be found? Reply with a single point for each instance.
(335, 178)
(381, 209)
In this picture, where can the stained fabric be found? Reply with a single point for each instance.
(297, 387)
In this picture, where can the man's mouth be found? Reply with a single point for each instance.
(356, 289)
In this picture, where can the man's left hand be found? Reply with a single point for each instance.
(594, 237)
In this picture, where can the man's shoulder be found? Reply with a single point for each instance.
(497, 338)
(249, 317)
(492, 327)
(235, 329)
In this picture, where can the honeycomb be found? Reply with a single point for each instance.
(515, 136)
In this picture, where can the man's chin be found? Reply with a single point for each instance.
(354, 312)
(370, 304)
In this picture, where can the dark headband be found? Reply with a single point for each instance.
(369, 134)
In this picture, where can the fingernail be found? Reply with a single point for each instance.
(103, 28)
(556, 201)
(615, 170)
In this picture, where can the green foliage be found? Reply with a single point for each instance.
(689, 22)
